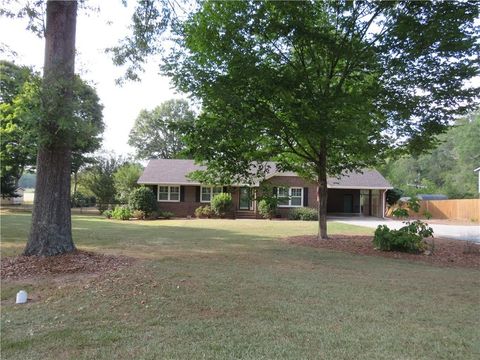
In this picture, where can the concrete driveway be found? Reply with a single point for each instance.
(458, 232)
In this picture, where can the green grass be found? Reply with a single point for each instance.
(229, 289)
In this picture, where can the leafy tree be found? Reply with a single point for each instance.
(155, 133)
(125, 180)
(51, 229)
(19, 114)
(18, 85)
(447, 169)
(324, 87)
(98, 180)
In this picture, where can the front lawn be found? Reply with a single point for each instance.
(230, 289)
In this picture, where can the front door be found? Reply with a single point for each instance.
(245, 202)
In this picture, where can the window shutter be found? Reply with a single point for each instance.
(305, 196)
(275, 191)
(182, 193)
(197, 194)
(225, 189)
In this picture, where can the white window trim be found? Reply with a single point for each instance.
(289, 205)
(169, 192)
(211, 192)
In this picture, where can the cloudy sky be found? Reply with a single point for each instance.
(95, 32)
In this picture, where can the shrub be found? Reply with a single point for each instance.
(107, 214)
(207, 211)
(153, 215)
(199, 212)
(400, 213)
(267, 201)
(138, 214)
(267, 207)
(166, 214)
(121, 213)
(410, 238)
(143, 199)
(221, 204)
(303, 213)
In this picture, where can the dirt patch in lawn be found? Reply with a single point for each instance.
(77, 262)
(446, 252)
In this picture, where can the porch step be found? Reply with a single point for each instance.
(245, 214)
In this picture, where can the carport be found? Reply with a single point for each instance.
(360, 194)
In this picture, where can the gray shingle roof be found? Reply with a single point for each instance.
(173, 171)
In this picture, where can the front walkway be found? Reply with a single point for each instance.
(458, 232)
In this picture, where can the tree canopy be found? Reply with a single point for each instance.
(157, 133)
(20, 111)
(323, 87)
(447, 169)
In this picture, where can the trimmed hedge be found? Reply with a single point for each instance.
(303, 213)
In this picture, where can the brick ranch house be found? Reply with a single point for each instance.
(353, 194)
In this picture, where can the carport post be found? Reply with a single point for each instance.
(383, 203)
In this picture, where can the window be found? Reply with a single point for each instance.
(208, 192)
(168, 193)
(290, 197)
(282, 194)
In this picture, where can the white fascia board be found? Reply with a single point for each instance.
(167, 183)
(269, 176)
(360, 187)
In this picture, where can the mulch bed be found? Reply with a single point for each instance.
(446, 252)
(79, 261)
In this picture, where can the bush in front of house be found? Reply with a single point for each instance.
(199, 212)
(166, 214)
(221, 204)
(143, 199)
(266, 208)
(303, 213)
(138, 214)
(204, 212)
(121, 213)
(410, 238)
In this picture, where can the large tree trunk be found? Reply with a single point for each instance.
(51, 231)
(322, 195)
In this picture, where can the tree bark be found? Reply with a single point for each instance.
(51, 231)
(322, 195)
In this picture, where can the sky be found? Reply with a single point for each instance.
(97, 31)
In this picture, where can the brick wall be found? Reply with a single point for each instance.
(187, 207)
(293, 181)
